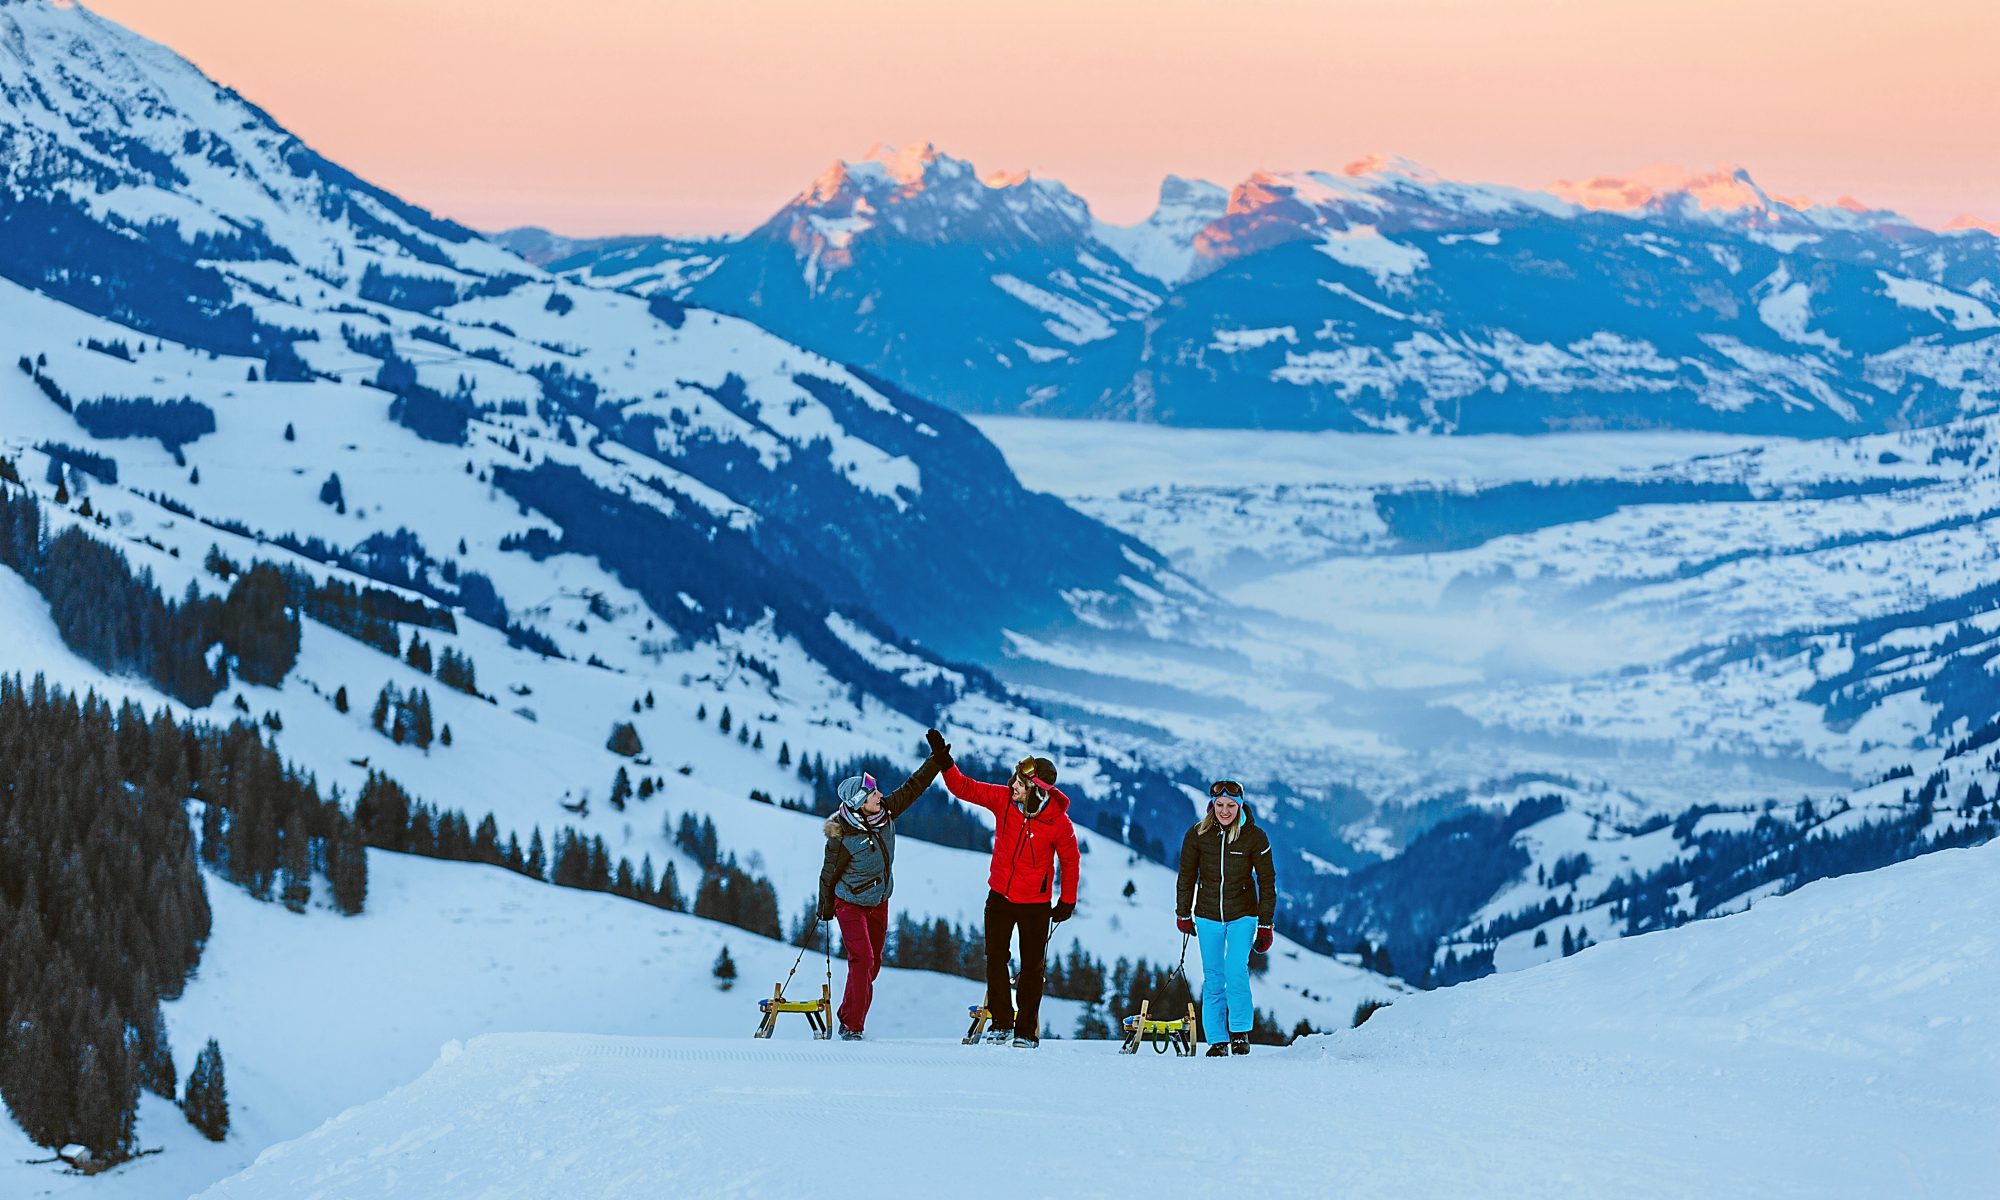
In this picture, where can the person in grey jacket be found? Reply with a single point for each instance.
(858, 875)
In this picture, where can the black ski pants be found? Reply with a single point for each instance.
(1023, 1013)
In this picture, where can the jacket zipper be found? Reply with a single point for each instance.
(1222, 875)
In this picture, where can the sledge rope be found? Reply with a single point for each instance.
(1176, 1035)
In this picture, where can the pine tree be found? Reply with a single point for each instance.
(445, 735)
(206, 1100)
(725, 721)
(668, 894)
(155, 1054)
(291, 435)
(621, 789)
(784, 754)
(419, 655)
(536, 864)
(340, 699)
(701, 712)
(725, 970)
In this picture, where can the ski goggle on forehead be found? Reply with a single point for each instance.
(868, 784)
(1225, 787)
(1025, 772)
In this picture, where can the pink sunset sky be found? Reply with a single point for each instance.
(699, 116)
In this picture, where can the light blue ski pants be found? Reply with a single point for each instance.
(1225, 976)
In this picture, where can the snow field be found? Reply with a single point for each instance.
(1835, 1042)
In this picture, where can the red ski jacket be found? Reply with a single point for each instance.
(1024, 848)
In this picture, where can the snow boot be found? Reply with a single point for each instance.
(999, 1037)
(1219, 1050)
(849, 1035)
(1024, 1042)
(1239, 1043)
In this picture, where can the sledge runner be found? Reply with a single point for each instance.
(1227, 896)
(857, 876)
(1032, 835)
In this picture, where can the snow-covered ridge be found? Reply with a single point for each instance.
(1436, 304)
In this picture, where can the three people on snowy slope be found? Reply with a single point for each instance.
(1226, 897)
(1034, 852)
(858, 875)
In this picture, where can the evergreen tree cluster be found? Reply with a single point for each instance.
(100, 467)
(121, 622)
(698, 839)
(455, 671)
(404, 717)
(368, 615)
(32, 368)
(389, 818)
(729, 894)
(103, 911)
(264, 826)
(174, 423)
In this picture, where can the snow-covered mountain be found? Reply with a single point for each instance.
(971, 290)
(1163, 245)
(1829, 1043)
(141, 192)
(1378, 297)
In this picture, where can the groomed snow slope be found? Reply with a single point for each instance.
(1836, 1042)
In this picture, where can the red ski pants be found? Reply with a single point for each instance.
(864, 931)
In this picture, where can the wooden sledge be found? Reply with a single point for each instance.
(1177, 1035)
(818, 1012)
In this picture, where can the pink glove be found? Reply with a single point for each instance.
(1262, 944)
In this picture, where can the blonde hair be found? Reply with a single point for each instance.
(1209, 824)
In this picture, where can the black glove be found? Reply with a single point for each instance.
(940, 749)
(1063, 911)
(825, 911)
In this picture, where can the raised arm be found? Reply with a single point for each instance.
(899, 801)
(1190, 868)
(990, 796)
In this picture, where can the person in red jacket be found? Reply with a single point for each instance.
(1032, 834)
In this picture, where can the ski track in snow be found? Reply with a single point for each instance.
(1836, 1042)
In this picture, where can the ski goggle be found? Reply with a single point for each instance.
(868, 784)
(1225, 787)
(1025, 772)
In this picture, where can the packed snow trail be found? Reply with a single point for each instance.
(1836, 1042)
